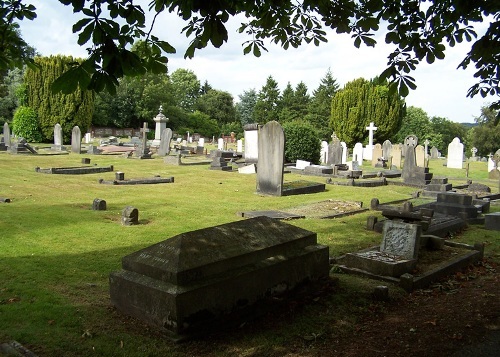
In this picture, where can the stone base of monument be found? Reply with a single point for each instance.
(190, 283)
(76, 170)
(301, 187)
(379, 263)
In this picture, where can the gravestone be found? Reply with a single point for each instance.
(201, 142)
(324, 152)
(412, 174)
(401, 239)
(161, 124)
(409, 140)
(76, 140)
(426, 148)
(220, 144)
(6, 135)
(192, 282)
(420, 156)
(377, 154)
(357, 153)
(99, 205)
(344, 152)
(166, 138)
(302, 164)
(239, 145)
(130, 216)
(334, 153)
(271, 159)
(455, 155)
(434, 153)
(396, 156)
(387, 149)
(368, 153)
(474, 152)
(251, 143)
(142, 150)
(58, 139)
(88, 138)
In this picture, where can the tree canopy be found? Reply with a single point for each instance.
(419, 31)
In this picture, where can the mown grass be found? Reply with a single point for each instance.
(56, 254)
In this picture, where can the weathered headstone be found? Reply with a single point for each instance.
(190, 282)
(76, 140)
(434, 153)
(344, 152)
(357, 153)
(409, 140)
(130, 216)
(271, 159)
(161, 124)
(251, 143)
(474, 152)
(396, 156)
(426, 148)
(413, 174)
(401, 239)
(387, 149)
(6, 134)
(142, 151)
(377, 154)
(334, 153)
(420, 156)
(58, 139)
(99, 205)
(455, 155)
(166, 138)
(324, 152)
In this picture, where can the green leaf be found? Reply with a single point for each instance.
(256, 51)
(79, 25)
(84, 36)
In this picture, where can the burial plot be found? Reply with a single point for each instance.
(76, 170)
(191, 282)
(120, 180)
(20, 146)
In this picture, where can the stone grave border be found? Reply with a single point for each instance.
(75, 170)
(410, 282)
(141, 181)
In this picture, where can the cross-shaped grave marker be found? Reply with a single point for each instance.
(371, 129)
(474, 151)
(143, 150)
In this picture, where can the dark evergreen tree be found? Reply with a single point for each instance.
(266, 108)
(66, 109)
(246, 105)
(219, 105)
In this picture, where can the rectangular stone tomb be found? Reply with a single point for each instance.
(318, 170)
(191, 282)
(302, 187)
(77, 170)
(142, 181)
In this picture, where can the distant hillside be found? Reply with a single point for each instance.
(469, 125)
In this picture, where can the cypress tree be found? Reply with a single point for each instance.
(66, 109)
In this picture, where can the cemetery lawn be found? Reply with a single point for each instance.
(56, 255)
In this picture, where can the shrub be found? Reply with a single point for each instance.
(25, 124)
(302, 142)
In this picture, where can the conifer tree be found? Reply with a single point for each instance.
(66, 109)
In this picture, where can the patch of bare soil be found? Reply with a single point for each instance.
(457, 317)
(325, 208)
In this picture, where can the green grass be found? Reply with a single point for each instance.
(56, 253)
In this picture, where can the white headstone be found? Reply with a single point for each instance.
(76, 140)
(357, 153)
(88, 138)
(6, 134)
(344, 152)
(368, 153)
(324, 152)
(251, 143)
(455, 154)
(220, 144)
(57, 135)
(302, 164)
(201, 142)
(239, 146)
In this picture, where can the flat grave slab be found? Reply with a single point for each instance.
(270, 214)
(76, 170)
(140, 181)
(302, 187)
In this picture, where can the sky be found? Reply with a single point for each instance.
(441, 87)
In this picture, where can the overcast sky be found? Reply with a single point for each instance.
(441, 87)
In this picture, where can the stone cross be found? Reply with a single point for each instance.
(426, 146)
(371, 129)
(474, 151)
(144, 149)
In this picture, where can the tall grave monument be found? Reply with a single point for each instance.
(161, 124)
(271, 159)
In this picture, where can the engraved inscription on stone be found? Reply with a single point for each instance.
(400, 239)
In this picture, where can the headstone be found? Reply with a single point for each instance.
(387, 149)
(99, 205)
(130, 216)
(188, 282)
(220, 144)
(344, 152)
(76, 140)
(201, 142)
(368, 153)
(334, 153)
(302, 164)
(409, 140)
(58, 138)
(420, 156)
(401, 239)
(247, 169)
(166, 138)
(142, 150)
(474, 152)
(426, 148)
(377, 154)
(396, 156)
(239, 146)
(455, 155)
(324, 152)
(357, 153)
(492, 221)
(413, 174)
(271, 159)
(161, 124)
(434, 153)
(6, 134)
(88, 138)
(251, 143)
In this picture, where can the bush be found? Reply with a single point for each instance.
(25, 124)
(301, 142)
